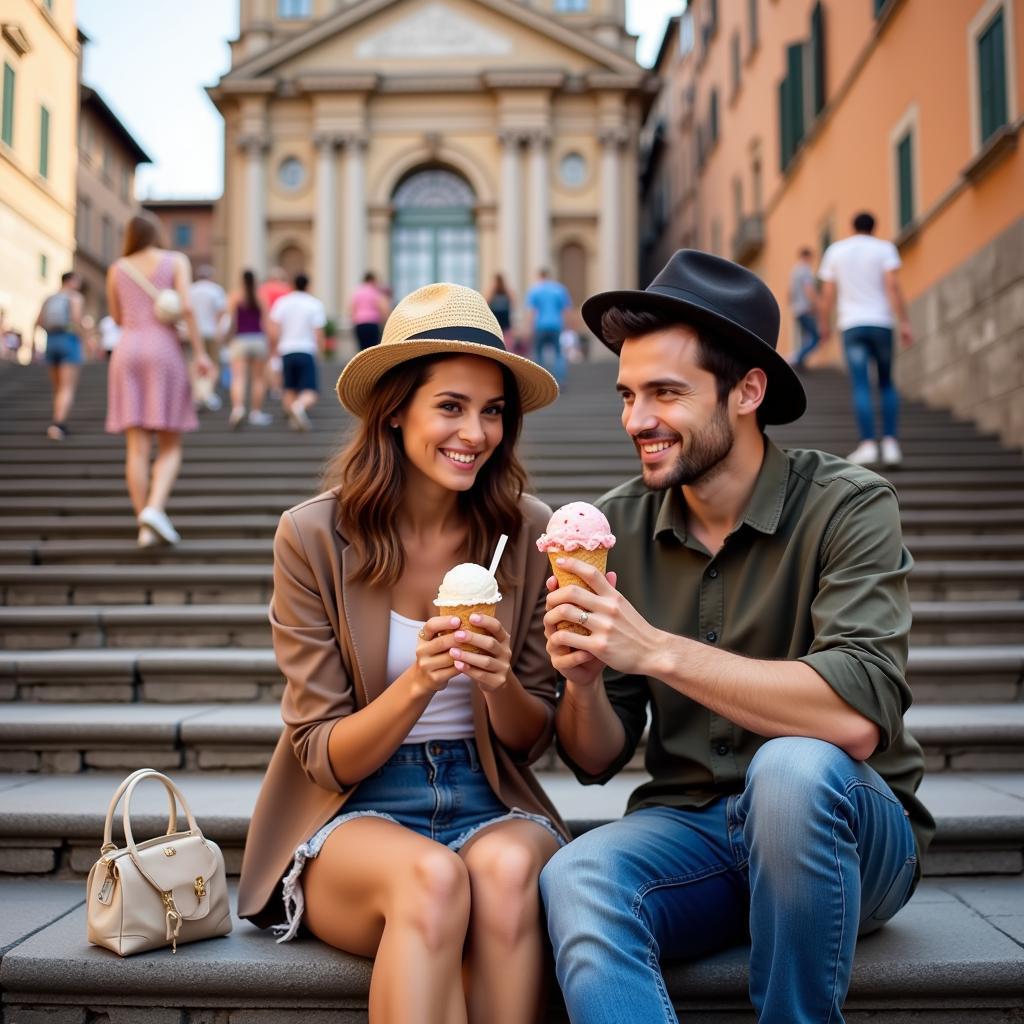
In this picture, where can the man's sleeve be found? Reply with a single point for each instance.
(321, 316)
(827, 270)
(629, 697)
(892, 258)
(861, 613)
(275, 313)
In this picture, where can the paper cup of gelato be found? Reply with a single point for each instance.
(466, 590)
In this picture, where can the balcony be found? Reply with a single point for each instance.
(749, 239)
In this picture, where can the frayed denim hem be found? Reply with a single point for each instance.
(516, 814)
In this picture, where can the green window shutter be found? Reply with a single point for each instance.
(992, 78)
(905, 179)
(44, 142)
(879, 6)
(7, 130)
(784, 132)
(795, 66)
(713, 118)
(818, 58)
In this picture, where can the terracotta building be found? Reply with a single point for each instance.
(778, 121)
(108, 155)
(38, 157)
(187, 225)
(431, 139)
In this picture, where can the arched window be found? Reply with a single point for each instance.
(433, 234)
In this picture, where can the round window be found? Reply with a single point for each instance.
(291, 173)
(573, 170)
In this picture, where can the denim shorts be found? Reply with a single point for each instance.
(63, 347)
(298, 372)
(437, 789)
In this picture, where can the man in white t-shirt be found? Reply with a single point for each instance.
(296, 330)
(862, 271)
(208, 304)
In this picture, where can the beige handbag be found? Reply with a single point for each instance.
(161, 892)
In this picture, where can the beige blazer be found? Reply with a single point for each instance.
(330, 638)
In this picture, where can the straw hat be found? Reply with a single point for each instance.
(434, 319)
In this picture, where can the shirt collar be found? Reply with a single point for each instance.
(763, 511)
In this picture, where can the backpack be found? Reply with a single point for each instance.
(56, 315)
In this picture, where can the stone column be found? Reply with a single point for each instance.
(540, 203)
(325, 228)
(510, 215)
(355, 218)
(254, 251)
(610, 229)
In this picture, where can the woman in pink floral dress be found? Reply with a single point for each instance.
(148, 389)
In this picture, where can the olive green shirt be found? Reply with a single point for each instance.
(815, 571)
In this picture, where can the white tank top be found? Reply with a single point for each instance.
(449, 715)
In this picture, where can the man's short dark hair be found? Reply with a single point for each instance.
(728, 369)
(301, 282)
(864, 223)
(66, 276)
(806, 252)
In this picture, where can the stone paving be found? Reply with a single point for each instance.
(111, 658)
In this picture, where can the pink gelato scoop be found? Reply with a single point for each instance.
(577, 526)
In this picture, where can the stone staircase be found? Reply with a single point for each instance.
(112, 658)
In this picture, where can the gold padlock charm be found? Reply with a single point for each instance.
(200, 887)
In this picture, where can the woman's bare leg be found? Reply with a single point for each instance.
(239, 373)
(259, 384)
(136, 465)
(64, 397)
(380, 890)
(165, 468)
(506, 952)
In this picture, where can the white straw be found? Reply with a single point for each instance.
(499, 551)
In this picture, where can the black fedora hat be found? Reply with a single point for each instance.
(735, 306)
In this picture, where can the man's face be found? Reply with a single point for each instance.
(670, 409)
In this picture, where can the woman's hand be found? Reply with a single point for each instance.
(204, 365)
(488, 667)
(434, 663)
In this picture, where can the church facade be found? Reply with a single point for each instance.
(431, 140)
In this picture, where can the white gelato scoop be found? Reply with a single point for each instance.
(466, 584)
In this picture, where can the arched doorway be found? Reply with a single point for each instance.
(292, 260)
(572, 271)
(433, 233)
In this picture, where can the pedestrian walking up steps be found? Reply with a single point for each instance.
(112, 658)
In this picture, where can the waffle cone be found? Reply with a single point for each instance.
(598, 559)
(463, 611)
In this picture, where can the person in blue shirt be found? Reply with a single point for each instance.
(547, 301)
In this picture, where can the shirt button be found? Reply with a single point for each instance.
(711, 636)
(722, 749)
(713, 573)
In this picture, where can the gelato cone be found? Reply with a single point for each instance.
(466, 590)
(577, 530)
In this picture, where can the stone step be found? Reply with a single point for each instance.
(72, 738)
(41, 627)
(953, 674)
(52, 824)
(174, 582)
(953, 954)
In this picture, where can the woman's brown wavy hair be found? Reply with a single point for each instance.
(371, 476)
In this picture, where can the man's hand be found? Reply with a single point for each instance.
(577, 667)
(620, 637)
(906, 334)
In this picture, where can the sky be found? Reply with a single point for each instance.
(152, 71)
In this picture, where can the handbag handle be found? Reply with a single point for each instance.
(173, 794)
(108, 826)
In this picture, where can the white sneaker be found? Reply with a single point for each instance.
(158, 522)
(213, 402)
(865, 454)
(147, 538)
(891, 454)
(259, 418)
(299, 419)
(236, 417)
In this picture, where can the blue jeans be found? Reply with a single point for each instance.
(809, 337)
(864, 345)
(544, 340)
(814, 850)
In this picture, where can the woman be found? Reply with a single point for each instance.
(398, 817)
(368, 309)
(248, 349)
(148, 391)
(500, 302)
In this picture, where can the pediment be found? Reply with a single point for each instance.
(401, 37)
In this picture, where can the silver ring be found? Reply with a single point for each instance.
(422, 635)
(583, 618)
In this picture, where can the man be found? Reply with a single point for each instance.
(760, 610)
(547, 301)
(864, 271)
(297, 333)
(803, 302)
(61, 318)
(208, 303)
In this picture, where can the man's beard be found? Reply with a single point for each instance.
(701, 461)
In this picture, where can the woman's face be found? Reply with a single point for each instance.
(453, 422)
